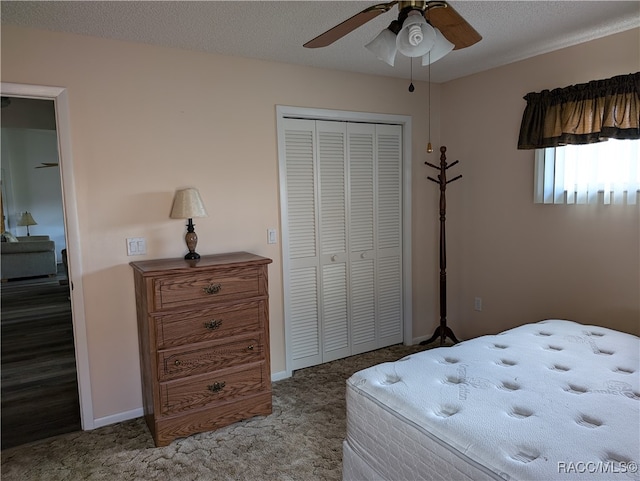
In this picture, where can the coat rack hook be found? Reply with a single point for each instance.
(432, 165)
(452, 163)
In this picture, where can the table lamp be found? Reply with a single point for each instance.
(26, 219)
(187, 204)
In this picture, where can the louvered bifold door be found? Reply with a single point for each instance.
(301, 297)
(331, 160)
(343, 239)
(362, 248)
(389, 234)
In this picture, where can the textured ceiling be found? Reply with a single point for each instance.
(511, 30)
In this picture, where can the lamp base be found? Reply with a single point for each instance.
(191, 238)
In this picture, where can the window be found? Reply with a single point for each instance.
(586, 137)
(607, 172)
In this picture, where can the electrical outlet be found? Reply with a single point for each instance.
(477, 304)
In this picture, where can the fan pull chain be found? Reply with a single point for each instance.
(411, 87)
(429, 146)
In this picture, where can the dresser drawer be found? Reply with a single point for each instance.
(205, 287)
(199, 391)
(200, 358)
(209, 324)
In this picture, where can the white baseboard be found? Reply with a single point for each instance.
(117, 418)
(279, 376)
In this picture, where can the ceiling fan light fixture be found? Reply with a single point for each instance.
(384, 46)
(416, 37)
(441, 47)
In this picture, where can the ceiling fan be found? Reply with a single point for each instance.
(427, 29)
(46, 164)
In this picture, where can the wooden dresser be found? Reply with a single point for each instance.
(203, 329)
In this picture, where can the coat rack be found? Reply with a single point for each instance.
(443, 331)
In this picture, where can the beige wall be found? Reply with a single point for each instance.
(527, 261)
(147, 120)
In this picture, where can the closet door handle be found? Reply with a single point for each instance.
(363, 255)
(334, 258)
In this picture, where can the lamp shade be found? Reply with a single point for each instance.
(441, 47)
(384, 46)
(187, 203)
(26, 219)
(416, 37)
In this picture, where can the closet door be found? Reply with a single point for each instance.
(343, 284)
(302, 282)
(317, 300)
(362, 241)
(375, 235)
(332, 175)
(389, 235)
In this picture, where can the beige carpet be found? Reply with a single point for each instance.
(300, 441)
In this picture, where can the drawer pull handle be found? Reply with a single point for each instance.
(213, 324)
(177, 362)
(216, 386)
(250, 347)
(212, 288)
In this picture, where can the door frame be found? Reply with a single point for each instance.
(72, 233)
(284, 112)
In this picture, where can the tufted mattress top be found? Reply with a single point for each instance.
(550, 400)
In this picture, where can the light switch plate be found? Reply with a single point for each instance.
(136, 246)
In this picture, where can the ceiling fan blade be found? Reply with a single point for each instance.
(453, 26)
(349, 25)
(46, 164)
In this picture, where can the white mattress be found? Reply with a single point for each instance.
(554, 400)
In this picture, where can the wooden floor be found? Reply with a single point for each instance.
(39, 390)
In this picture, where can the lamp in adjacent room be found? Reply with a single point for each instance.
(188, 204)
(26, 219)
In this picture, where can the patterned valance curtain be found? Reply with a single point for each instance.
(582, 113)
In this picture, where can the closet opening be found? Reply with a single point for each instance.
(345, 200)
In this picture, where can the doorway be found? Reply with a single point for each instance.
(39, 385)
(69, 266)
